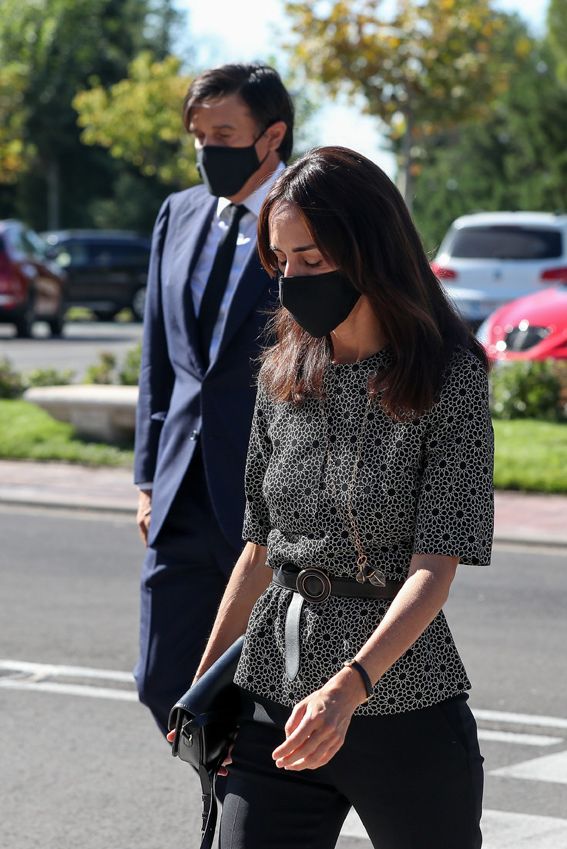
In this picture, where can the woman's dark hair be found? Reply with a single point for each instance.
(259, 86)
(359, 222)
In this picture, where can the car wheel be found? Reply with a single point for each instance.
(105, 315)
(56, 324)
(138, 303)
(24, 323)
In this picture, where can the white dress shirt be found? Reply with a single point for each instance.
(246, 238)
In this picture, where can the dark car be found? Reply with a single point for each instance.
(107, 269)
(32, 286)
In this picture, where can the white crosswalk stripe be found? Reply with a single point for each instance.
(500, 829)
(551, 768)
(504, 830)
(514, 737)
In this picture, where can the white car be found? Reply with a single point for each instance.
(490, 258)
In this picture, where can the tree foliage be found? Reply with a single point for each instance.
(515, 159)
(49, 50)
(420, 67)
(14, 152)
(139, 120)
(557, 35)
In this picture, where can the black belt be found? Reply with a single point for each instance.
(315, 586)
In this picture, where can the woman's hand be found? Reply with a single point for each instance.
(318, 725)
(170, 737)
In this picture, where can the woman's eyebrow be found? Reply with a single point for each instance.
(295, 250)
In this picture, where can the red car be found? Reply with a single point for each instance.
(32, 286)
(530, 328)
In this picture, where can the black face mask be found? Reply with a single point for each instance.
(224, 170)
(318, 302)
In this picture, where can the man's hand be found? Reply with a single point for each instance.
(144, 513)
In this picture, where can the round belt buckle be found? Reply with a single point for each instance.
(314, 585)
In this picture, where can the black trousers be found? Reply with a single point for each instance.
(183, 578)
(415, 779)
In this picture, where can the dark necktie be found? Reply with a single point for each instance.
(218, 278)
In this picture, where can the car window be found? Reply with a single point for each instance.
(506, 242)
(117, 253)
(33, 244)
(15, 243)
(78, 253)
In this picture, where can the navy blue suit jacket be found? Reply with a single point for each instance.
(182, 401)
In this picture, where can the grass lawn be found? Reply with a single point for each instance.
(28, 433)
(530, 455)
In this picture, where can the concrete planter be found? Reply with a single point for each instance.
(100, 412)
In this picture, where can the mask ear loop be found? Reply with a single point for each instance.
(257, 139)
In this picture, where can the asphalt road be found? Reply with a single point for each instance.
(94, 772)
(79, 347)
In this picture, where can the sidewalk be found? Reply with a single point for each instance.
(520, 518)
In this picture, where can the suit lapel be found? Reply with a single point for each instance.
(252, 283)
(192, 228)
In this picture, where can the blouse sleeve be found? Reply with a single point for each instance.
(455, 512)
(257, 517)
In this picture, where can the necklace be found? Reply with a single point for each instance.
(365, 572)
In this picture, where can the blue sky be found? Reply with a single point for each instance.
(244, 30)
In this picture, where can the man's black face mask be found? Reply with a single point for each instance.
(224, 170)
(318, 302)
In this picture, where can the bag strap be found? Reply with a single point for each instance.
(210, 808)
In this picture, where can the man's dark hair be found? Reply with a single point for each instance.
(259, 86)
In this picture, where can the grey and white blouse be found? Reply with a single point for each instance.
(423, 486)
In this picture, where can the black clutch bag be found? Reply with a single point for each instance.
(205, 720)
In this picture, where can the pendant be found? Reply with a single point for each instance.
(376, 577)
(370, 573)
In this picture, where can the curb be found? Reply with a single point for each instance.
(73, 506)
(531, 541)
(506, 538)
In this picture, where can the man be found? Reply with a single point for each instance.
(206, 308)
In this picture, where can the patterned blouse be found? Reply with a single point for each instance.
(423, 486)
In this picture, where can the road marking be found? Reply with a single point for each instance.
(501, 830)
(69, 689)
(521, 718)
(504, 830)
(23, 675)
(552, 768)
(50, 669)
(516, 737)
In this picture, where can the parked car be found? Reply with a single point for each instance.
(107, 269)
(530, 328)
(32, 286)
(491, 258)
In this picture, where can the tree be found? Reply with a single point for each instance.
(149, 99)
(420, 67)
(515, 159)
(13, 151)
(53, 48)
(557, 35)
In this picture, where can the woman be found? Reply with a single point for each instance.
(369, 478)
